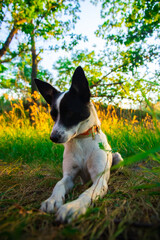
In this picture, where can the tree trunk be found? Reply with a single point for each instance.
(34, 64)
(8, 41)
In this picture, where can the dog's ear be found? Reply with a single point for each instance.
(48, 92)
(80, 85)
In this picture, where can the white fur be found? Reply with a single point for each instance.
(83, 157)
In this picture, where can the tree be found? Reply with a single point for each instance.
(123, 70)
(35, 21)
(103, 81)
(131, 24)
(18, 77)
(106, 80)
(131, 31)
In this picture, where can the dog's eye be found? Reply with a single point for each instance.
(54, 114)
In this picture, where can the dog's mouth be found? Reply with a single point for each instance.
(70, 138)
(62, 140)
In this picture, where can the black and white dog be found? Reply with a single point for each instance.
(77, 127)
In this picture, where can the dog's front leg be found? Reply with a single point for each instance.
(56, 200)
(72, 210)
(100, 172)
(58, 195)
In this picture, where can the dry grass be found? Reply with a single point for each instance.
(127, 212)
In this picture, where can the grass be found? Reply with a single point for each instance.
(30, 165)
(131, 208)
(28, 145)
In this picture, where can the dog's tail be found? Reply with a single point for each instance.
(116, 158)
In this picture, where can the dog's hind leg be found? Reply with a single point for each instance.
(116, 158)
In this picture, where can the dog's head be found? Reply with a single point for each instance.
(68, 109)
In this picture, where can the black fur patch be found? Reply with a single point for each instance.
(49, 93)
(80, 85)
(74, 106)
(73, 110)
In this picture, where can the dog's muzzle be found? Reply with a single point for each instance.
(56, 138)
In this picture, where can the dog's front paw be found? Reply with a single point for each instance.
(70, 211)
(50, 205)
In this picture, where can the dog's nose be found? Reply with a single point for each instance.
(55, 137)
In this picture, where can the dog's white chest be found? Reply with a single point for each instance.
(82, 153)
(79, 150)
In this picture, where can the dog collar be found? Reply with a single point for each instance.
(90, 132)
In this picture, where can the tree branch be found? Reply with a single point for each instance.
(14, 30)
(13, 56)
(8, 41)
(113, 70)
(8, 59)
(102, 95)
(107, 84)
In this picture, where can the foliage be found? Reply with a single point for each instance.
(140, 19)
(131, 32)
(106, 79)
(102, 85)
(42, 17)
(19, 81)
(65, 67)
(32, 22)
(131, 23)
(128, 64)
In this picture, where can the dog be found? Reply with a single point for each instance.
(77, 127)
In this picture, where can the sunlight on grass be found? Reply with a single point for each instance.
(27, 131)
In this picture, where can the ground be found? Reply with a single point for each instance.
(130, 210)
